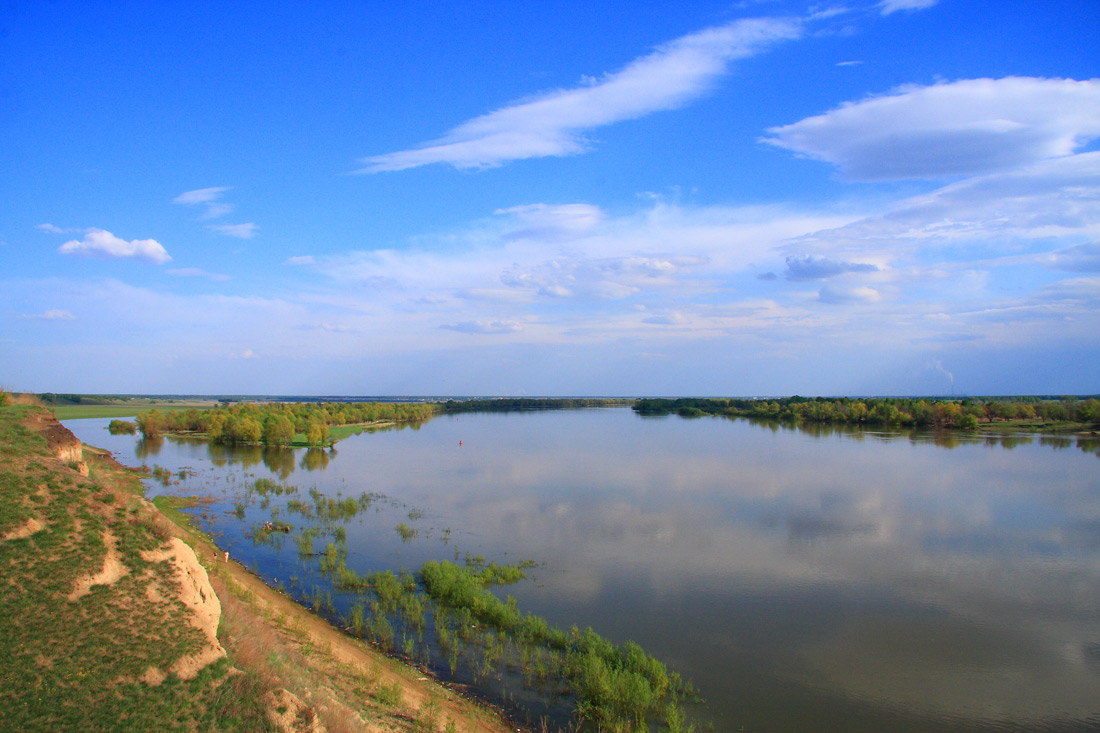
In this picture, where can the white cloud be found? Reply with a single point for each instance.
(53, 314)
(968, 127)
(886, 7)
(217, 209)
(808, 267)
(835, 294)
(554, 123)
(200, 195)
(208, 198)
(1054, 200)
(240, 231)
(50, 229)
(603, 279)
(100, 243)
(553, 222)
(1078, 258)
(1084, 291)
(300, 260)
(484, 327)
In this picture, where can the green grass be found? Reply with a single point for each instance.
(78, 412)
(77, 664)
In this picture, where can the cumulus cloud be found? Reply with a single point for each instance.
(962, 128)
(240, 231)
(554, 123)
(100, 243)
(50, 229)
(886, 7)
(808, 267)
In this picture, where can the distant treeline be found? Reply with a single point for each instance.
(923, 412)
(49, 398)
(508, 404)
(278, 423)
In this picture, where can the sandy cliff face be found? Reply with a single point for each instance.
(63, 443)
(195, 592)
(60, 441)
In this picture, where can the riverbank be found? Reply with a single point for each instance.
(151, 627)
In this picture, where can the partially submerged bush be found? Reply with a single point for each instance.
(122, 427)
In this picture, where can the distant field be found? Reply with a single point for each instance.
(126, 409)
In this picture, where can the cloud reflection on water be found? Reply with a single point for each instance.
(805, 572)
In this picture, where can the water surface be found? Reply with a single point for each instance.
(802, 579)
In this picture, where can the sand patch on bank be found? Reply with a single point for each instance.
(112, 570)
(26, 529)
(195, 592)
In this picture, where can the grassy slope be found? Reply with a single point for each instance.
(76, 664)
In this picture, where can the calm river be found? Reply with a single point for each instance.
(802, 580)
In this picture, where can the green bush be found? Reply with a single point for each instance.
(122, 427)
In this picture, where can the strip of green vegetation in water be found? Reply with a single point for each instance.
(615, 687)
(516, 404)
(281, 424)
(1036, 413)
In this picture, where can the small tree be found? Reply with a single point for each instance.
(316, 433)
(150, 424)
(278, 430)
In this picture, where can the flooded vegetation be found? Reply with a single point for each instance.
(656, 573)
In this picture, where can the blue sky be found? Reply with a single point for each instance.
(709, 198)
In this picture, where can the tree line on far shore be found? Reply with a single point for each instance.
(277, 423)
(965, 414)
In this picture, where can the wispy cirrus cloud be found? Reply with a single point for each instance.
(101, 243)
(962, 128)
(808, 267)
(51, 229)
(197, 272)
(483, 327)
(208, 198)
(1053, 201)
(554, 123)
(1078, 258)
(53, 314)
(886, 7)
(240, 231)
